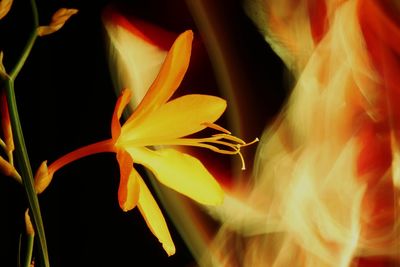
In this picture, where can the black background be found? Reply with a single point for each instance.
(66, 99)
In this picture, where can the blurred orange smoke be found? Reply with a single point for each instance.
(327, 172)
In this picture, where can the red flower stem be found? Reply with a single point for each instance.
(99, 147)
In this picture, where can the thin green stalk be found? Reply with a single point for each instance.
(31, 41)
(22, 155)
(29, 250)
(30, 236)
(26, 171)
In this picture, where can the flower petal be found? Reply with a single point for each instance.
(180, 117)
(181, 172)
(122, 101)
(128, 191)
(154, 219)
(5, 6)
(169, 78)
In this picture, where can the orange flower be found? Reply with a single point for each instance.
(159, 122)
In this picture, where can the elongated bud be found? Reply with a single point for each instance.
(6, 124)
(28, 224)
(2, 68)
(3, 72)
(7, 169)
(5, 6)
(42, 178)
(57, 21)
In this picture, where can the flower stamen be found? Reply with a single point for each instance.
(242, 160)
(217, 143)
(216, 127)
(230, 138)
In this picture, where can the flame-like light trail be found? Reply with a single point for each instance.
(327, 172)
(326, 182)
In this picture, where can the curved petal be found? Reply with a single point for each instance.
(5, 6)
(169, 78)
(154, 219)
(122, 101)
(181, 172)
(180, 117)
(128, 191)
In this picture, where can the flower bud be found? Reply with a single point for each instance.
(6, 124)
(57, 21)
(7, 169)
(28, 224)
(42, 178)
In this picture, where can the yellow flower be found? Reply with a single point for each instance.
(160, 122)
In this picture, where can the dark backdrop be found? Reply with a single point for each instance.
(66, 99)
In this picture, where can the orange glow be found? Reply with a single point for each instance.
(325, 189)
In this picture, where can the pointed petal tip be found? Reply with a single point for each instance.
(42, 178)
(126, 93)
(188, 34)
(124, 207)
(186, 38)
(28, 224)
(169, 248)
(124, 203)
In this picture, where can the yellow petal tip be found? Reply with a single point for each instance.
(127, 206)
(188, 34)
(170, 249)
(42, 178)
(28, 224)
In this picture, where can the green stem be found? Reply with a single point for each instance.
(31, 41)
(26, 172)
(29, 250)
(22, 155)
